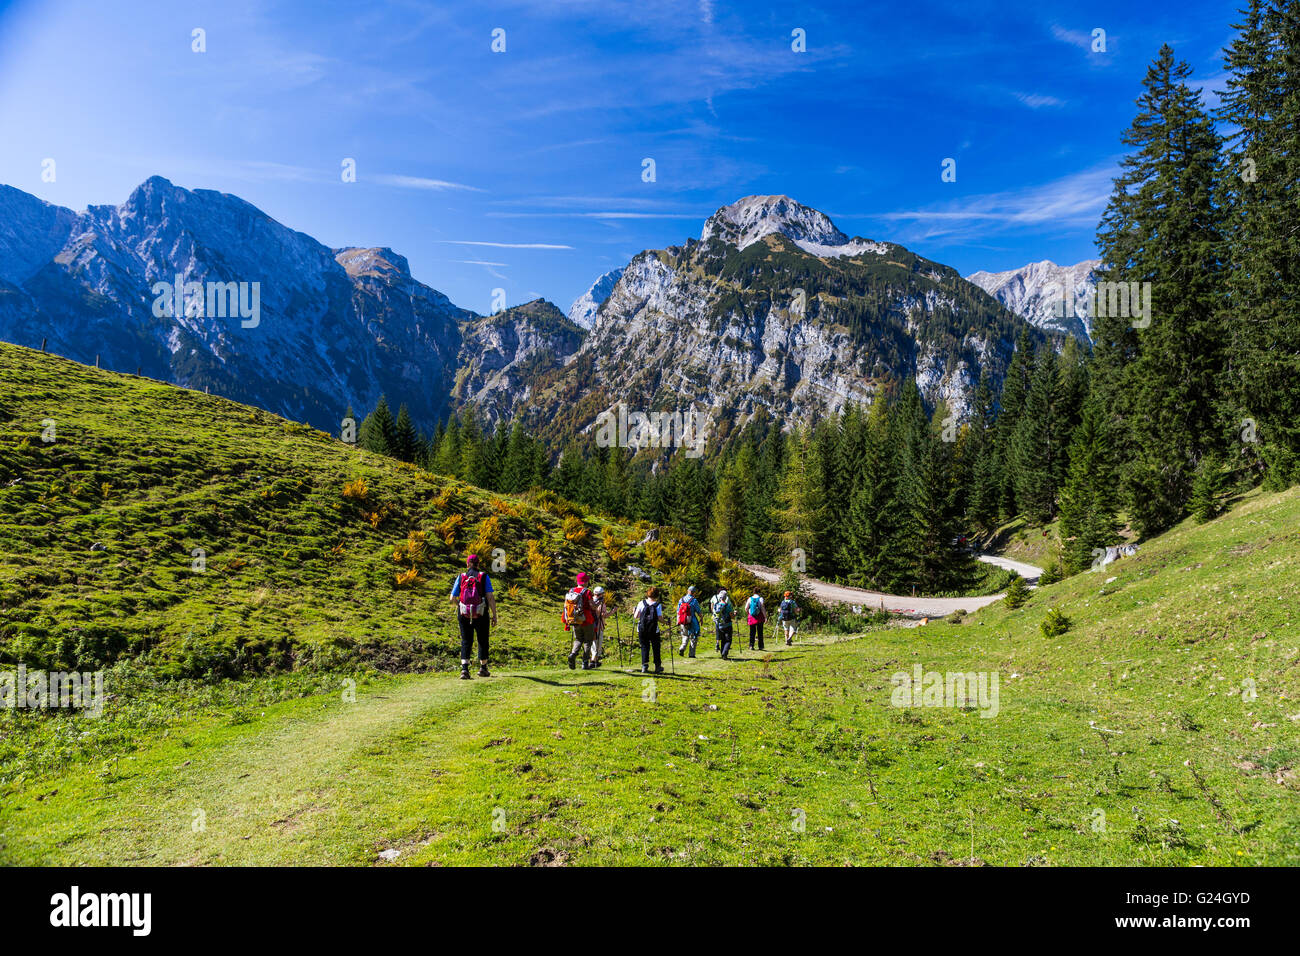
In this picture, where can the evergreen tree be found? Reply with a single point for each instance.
(727, 523)
(1036, 445)
(871, 523)
(1088, 519)
(1261, 191)
(1207, 489)
(800, 504)
(517, 471)
(1163, 227)
(406, 442)
(378, 432)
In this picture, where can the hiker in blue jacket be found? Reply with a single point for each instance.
(688, 620)
(472, 593)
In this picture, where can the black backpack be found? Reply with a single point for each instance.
(647, 628)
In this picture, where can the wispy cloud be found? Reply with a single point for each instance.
(504, 245)
(612, 214)
(420, 182)
(1073, 201)
(1073, 37)
(1037, 101)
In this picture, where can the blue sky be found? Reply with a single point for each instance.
(522, 170)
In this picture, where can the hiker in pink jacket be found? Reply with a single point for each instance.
(757, 615)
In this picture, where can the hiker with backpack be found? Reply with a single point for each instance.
(757, 612)
(713, 609)
(648, 614)
(580, 618)
(600, 611)
(688, 620)
(723, 612)
(789, 612)
(472, 593)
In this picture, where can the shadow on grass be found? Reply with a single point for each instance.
(560, 683)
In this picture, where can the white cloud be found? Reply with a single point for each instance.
(504, 245)
(1073, 37)
(1072, 201)
(1038, 100)
(420, 182)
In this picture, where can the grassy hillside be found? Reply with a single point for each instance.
(1161, 727)
(302, 538)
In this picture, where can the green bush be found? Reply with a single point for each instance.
(1054, 624)
(1051, 573)
(1017, 593)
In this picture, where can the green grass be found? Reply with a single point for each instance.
(1162, 728)
(98, 531)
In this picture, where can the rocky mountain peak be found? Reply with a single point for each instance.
(1051, 297)
(748, 220)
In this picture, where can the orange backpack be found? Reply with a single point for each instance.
(575, 608)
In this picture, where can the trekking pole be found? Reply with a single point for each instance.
(618, 639)
(672, 639)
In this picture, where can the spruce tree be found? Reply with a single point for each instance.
(727, 522)
(1036, 445)
(406, 441)
(1088, 519)
(1261, 191)
(870, 552)
(1163, 227)
(378, 431)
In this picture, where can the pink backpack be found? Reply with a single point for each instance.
(472, 594)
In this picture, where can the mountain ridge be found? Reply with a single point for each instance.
(773, 311)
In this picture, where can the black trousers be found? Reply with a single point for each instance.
(468, 629)
(647, 644)
(724, 639)
(756, 630)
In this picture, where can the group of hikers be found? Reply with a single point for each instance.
(586, 611)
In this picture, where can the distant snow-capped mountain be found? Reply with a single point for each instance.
(584, 308)
(336, 327)
(1038, 293)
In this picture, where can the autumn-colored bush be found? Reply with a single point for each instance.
(449, 528)
(356, 490)
(615, 547)
(576, 530)
(555, 505)
(488, 535)
(414, 549)
(445, 498)
(668, 555)
(407, 578)
(540, 566)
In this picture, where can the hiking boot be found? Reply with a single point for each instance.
(482, 670)
(573, 658)
(644, 669)
(464, 672)
(659, 670)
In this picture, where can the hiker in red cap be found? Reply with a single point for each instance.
(579, 616)
(472, 593)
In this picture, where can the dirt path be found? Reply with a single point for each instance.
(901, 603)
